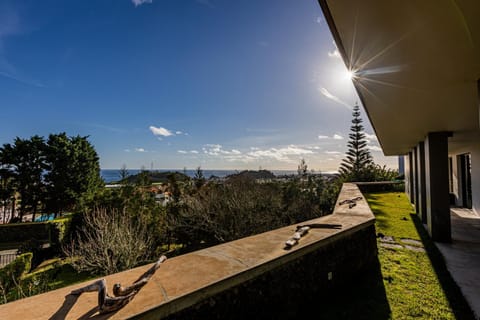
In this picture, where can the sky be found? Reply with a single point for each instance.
(173, 84)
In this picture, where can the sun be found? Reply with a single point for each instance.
(349, 75)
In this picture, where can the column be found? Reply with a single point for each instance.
(437, 193)
(409, 177)
(415, 178)
(421, 190)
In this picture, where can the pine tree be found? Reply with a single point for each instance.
(355, 165)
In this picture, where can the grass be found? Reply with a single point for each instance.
(417, 283)
(50, 275)
(406, 283)
(60, 273)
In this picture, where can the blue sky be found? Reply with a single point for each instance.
(220, 84)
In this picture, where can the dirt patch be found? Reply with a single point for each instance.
(412, 242)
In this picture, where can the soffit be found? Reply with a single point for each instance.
(416, 64)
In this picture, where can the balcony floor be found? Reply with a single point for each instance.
(462, 256)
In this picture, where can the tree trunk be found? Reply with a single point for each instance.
(34, 211)
(14, 204)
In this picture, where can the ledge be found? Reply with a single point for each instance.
(189, 279)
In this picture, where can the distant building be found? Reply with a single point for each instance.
(164, 198)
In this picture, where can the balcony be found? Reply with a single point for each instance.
(350, 264)
(254, 276)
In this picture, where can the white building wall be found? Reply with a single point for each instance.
(455, 180)
(474, 150)
(407, 176)
(476, 178)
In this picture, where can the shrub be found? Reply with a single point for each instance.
(109, 242)
(11, 274)
(241, 207)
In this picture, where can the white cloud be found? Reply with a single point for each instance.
(334, 54)
(288, 154)
(370, 137)
(332, 152)
(185, 151)
(374, 148)
(337, 137)
(327, 94)
(216, 149)
(160, 131)
(212, 149)
(140, 2)
(140, 150)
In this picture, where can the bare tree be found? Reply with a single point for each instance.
(302, 168)
(124, 174)
(109, 242)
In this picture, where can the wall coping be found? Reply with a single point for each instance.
(187, 279)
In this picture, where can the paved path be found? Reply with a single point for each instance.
(462, 256)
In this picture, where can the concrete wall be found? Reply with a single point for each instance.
(408, 176)
(475, 152)
(473, 148)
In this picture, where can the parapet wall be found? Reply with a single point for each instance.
(253, 277)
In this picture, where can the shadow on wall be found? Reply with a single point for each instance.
(363, 299)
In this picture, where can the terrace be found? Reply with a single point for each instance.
(336, 272)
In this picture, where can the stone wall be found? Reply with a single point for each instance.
(292, 289)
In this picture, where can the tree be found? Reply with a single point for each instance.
(124, 174)
(26, 158)
(302, 168)
(199, 178)
(110, 241)
(358, 158)
(7, 186)
(143, 178)
(73, 172)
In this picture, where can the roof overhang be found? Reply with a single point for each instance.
(416, 65)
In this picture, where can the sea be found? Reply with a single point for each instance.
(112, 175)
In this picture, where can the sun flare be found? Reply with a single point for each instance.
(349, 75)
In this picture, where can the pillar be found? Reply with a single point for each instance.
(422, 196)
(409, 176)
(437, 192)
(415, 178)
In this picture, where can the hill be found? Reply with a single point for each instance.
(252, 174)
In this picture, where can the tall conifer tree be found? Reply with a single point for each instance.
(358, 158)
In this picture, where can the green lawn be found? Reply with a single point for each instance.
(410, 281)
(417, 283)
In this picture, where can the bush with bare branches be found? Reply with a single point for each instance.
(109, 241)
